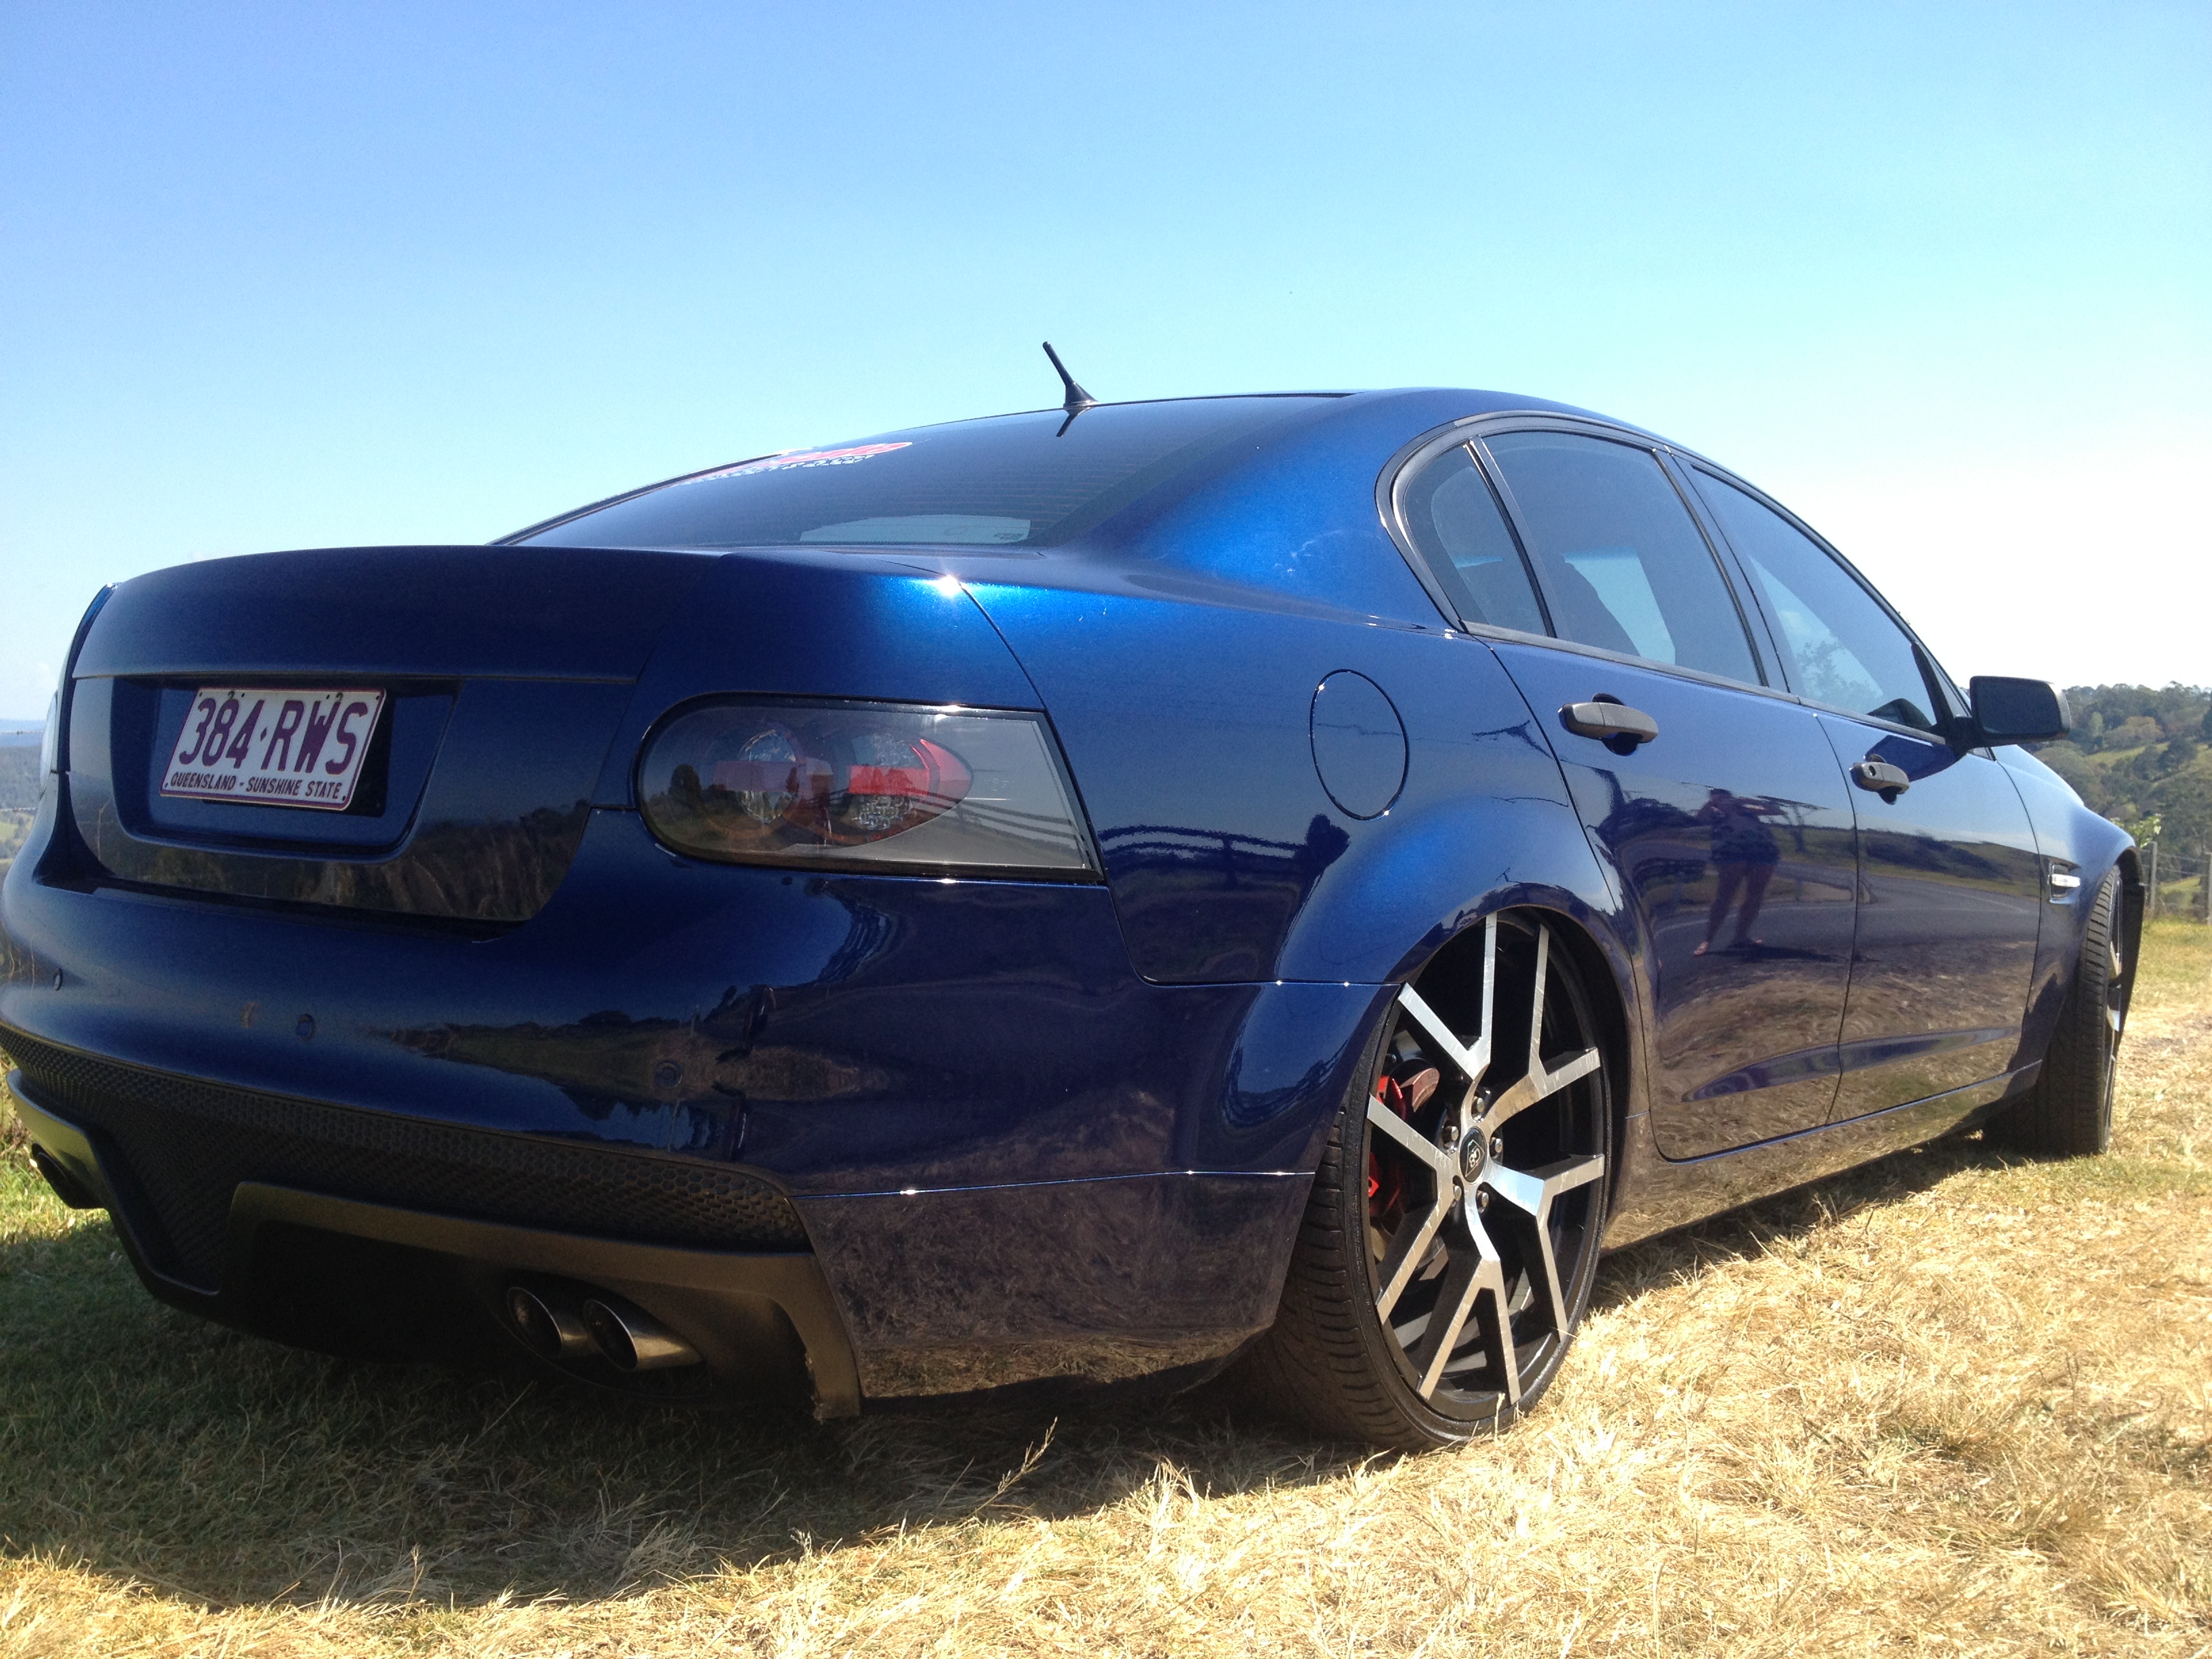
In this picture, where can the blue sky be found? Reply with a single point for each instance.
(298, 275)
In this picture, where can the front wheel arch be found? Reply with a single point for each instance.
(2134, 896)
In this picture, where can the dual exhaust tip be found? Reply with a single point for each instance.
(556, 1327)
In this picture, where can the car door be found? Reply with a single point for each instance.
(1952, 885)
(1730, 833)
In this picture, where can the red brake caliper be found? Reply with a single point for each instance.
(1386, 1192)
(1392, 1095)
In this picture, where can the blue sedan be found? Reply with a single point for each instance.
(1092, 897)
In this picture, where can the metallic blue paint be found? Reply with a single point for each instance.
(1270, 878)
(1742, 1026)
(1950, 905)
(855, 1034)
(2079, 842)
(540, 613)
(953, 1292)
(804, 623)
(1033, 1130)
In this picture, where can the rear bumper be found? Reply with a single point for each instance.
(1085, 1283)
(1006, 1156)
(750, 1315)
(172, 1150)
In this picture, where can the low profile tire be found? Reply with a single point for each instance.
(1449, 1249)
(2068, 1111)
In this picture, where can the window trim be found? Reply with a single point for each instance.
(1469, 432)
(1673, 458)
(1746, 591)
(1466, 432)
(1398, 470)
(1656, 450)
(1427, 455)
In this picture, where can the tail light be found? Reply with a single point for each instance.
(882, 786)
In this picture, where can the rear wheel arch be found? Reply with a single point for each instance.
(1607, 979)
(1408, 1319)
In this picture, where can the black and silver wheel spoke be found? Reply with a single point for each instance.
(1531, 1192)
(1475, 1274)
(1542, 1079)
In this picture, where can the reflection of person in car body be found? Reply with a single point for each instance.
(1745, 853)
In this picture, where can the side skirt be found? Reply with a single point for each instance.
(1658, 1194)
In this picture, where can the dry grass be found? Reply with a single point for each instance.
(1946, 1404)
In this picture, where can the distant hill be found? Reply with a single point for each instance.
(19, 777)
(2138, 752)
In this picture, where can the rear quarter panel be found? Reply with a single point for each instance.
(1187, 728)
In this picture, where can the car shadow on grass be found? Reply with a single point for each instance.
(144, 1444)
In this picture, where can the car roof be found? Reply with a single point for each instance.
(1284, 514)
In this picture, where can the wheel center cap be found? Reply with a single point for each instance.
(1470, 1158)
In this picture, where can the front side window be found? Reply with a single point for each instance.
(1839, 647)
(1455, 520)
(1622, 564)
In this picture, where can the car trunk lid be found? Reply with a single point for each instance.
(503, 674)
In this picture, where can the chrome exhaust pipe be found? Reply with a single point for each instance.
(630, 1341)
(551, 1324)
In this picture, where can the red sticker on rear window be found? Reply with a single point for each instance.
(797, 458)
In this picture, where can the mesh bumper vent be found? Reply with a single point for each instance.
(178, 1148)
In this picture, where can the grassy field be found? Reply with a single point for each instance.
(1949, 1404)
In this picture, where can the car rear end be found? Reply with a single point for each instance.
(497, 991)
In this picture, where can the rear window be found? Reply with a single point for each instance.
(1011, 480)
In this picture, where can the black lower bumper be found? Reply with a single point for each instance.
(752, 1316)
(177, 1146)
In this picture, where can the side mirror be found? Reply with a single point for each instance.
(2018, 711)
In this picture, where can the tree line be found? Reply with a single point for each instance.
(2140, 756)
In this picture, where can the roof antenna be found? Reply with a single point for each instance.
(1077, 398)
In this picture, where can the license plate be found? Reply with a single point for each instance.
(274, 748)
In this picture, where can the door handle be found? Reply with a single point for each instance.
(1884, 779)
(1615, 725)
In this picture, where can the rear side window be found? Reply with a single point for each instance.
(1622, 564)
(1839, 646)
(1456, 521)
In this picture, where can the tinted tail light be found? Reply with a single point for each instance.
(885, 787)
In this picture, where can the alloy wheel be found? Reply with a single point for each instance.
(1484, 1165)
